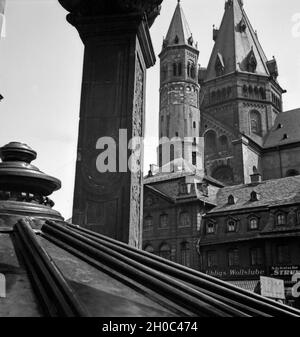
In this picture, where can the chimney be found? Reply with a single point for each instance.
(256, 176)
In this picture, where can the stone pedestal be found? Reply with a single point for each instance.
(118, 50)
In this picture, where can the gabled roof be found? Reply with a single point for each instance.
(179, 32)
(236, 41)
(287, 123)
(267, 192)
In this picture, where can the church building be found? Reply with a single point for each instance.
(235, 106)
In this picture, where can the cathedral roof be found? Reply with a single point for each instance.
(236, 44)
(286, 129)
(267, 192)
(179, 32)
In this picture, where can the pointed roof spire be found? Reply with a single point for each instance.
(236, 41)
(179, 32)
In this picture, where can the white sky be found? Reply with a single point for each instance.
(41, 68)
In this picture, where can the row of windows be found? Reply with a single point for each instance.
(232, 225)
(212, 145)
(184, 220)
(166, 253)
(220, 95)
(177, 70)
(256, 257)
(253, 223)
(254, 92)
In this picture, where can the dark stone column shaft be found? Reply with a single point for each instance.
(118, 51)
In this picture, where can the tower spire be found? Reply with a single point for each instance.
(179, 32)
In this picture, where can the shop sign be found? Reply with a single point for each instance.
(236, 273)
(284, 271)
(272, 288)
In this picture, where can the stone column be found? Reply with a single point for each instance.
(118, 50)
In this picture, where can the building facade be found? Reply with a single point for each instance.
(254, 231)
(173, 208)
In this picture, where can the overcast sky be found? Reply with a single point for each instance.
(41, 68)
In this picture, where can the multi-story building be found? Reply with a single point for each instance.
(173, 208)
(253, 231)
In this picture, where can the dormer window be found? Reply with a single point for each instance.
(176, 40)
(183, 188)
(242, 26)
(251, 62)
(231, 200)
(219, 66)
(191, 40)
(254, 196)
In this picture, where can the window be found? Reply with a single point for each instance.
(165, 251)
(255, 122)
(185, 254)
(148, 223)
(212, 259)
(174, 69)
(184, 220)
(194, 158)
(194, 125)
(281, 219)
(223, 140)
(256, 257)
(149, 249)
(231, 226)
(210, 142)
(283, 254)
(163, 221)
(253, 224)
(231, 200)
(233, 257)
(253, 196)
(182, 188)
(210, 228)
(298, 217)
(179, 69)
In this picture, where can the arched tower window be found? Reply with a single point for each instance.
(223, 141)
(210, 141)
(179, 69)
(165, 251)
(174, 69)
(255, 122)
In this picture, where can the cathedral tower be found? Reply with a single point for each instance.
(179, 115)
(240, 98)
